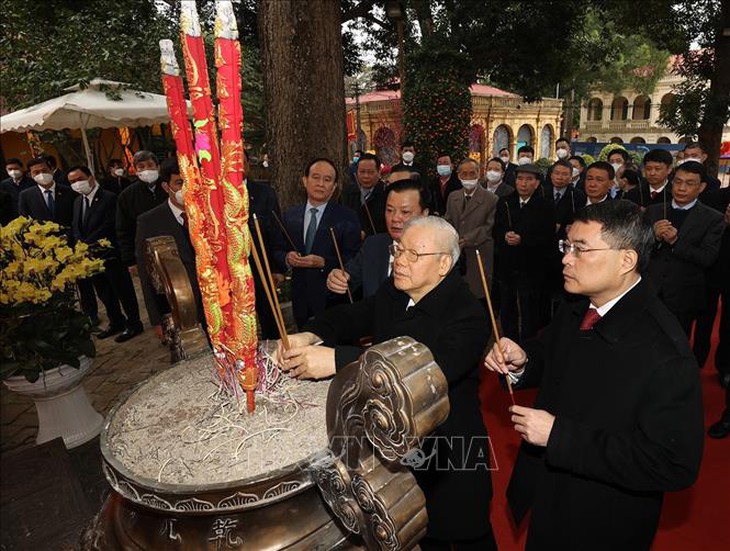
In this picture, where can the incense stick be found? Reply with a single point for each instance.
(339, 259)
(283, 230)
(370, 218)
(264, 282)
(277, 311)
(509, 216)
(494, 321)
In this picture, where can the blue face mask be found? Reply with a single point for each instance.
(443, 170)
(355, 160)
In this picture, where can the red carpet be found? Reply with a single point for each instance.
(695, 519)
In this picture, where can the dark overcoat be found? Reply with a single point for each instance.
(628, 426)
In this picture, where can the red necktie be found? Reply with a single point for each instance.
(590, 319)
(653, 195)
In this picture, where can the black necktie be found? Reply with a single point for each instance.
(85, 215)
(50, 203)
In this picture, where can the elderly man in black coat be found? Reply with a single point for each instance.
(428, 301)
(618, 417)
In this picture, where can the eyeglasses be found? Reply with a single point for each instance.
(411, 255)
(566, 247)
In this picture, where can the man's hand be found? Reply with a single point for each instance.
(664, 231)
(295, 260)
(512, 238)
(671, 235)
(462, 243)
(533, 424)
(514, 357)
(337, 281)
(295, 340)
(133, 270)
(309, 362)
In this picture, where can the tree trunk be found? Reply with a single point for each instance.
(302, 58)
(718, 101)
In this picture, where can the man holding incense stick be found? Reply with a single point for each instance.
(429, 301)
(618, 416)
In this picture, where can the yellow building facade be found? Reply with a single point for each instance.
(499, 119)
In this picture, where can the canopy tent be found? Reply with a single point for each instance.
(91, 107)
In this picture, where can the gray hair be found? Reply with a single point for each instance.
(144, 155)
(446, 236)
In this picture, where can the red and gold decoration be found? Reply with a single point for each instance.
(216, 198)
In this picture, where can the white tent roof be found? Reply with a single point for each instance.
(90, 108)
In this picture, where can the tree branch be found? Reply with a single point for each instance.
(361, 10)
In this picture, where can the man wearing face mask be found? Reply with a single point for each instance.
(472, 214)
(115, 180)
(618, 159)
(408, 154)
(168, 218)
(46, 200)
(142, 195)
(16, 182)
(509, 167)
(577, 177)
(695, 151)
(93, 219)
(562, 149)
(495, 178)
(526, 156)
(444, 184)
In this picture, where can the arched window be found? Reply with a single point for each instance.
(642, 108)
(619, 109)
(525, 136)
(546, 141)
(384, 143)
(616, 139)
(664, 139)
(667, 99)
(592, 139)
(595, 109)
(502, 138)
(638, 139)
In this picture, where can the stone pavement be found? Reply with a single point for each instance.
(116, 368)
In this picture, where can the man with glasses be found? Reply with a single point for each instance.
(688, 237)
(428, 301)
(618, 416)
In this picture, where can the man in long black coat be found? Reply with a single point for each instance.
(428, 301)
(618, 417)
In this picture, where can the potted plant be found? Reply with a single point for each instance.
(45, 341)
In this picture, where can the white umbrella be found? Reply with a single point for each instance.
(90, 108)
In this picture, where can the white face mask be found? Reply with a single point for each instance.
(493, 176)
(179, 197)
(562, 153)
(15, 174)
(44, 179)
(118, 172)
(616, 166)
(576, 173)
(688, 159)
(505, 159)
(149, 176)
(82, 186)
(469, 184)
(524, 161)
(408, 156)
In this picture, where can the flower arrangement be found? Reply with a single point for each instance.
(40, 326)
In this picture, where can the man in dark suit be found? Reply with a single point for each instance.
(367, 196)
(567, 200)
(59, 176)
(656, 189)
(598, 182)
(718, 283)
(142, 195)
(695, 151)
(578, 174)
(428, 301)
(166, 219)
(93, 219)
(115, 180)
(408, 155)
(308, 226)
(443, 184)
(618, 416)
(16, 182)
(47, 200)
(372, 264)
(509, 167)
(524, 237)
(264, 204)
(495, 178)
(688, 236)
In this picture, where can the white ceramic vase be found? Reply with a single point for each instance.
(62, 403)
